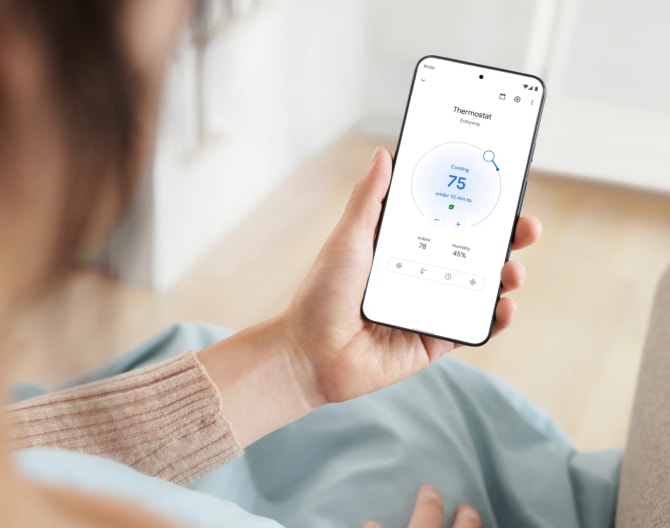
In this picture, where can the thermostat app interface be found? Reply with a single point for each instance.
(457, 187)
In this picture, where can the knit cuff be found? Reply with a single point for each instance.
(164, 420)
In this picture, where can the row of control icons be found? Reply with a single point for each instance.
(517, 98)
(437, 274)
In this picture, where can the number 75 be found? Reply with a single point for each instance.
(460, 181)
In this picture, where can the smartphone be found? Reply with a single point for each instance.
(459, 177)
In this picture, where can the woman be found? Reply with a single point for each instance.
(79, 88)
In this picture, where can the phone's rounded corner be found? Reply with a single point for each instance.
(364, 315)
(425, 58)
(542, 84)
(486, 339)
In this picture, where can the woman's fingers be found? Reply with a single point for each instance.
(504, 314)
(466, 517)
(528, 230)
(512, 276)
(428, 510)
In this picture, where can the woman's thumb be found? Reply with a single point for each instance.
(366, 200)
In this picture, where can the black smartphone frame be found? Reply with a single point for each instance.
(518, 206)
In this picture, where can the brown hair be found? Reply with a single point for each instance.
(97, 96)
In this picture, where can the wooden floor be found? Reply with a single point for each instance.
(574, 349)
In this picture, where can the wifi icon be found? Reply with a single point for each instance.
(525, 86)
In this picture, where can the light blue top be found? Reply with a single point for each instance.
(451, 425)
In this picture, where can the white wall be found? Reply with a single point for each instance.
(608, 110)
(286, 80)
(607, 113)
(399, 33)
(281, 83)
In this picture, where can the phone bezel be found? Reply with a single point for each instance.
(518, 206)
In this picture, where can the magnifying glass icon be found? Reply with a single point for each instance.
(490, 156)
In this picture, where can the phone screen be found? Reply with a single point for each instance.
(458, 182)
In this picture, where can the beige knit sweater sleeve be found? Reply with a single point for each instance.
(164, 420)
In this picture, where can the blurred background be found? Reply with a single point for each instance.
(271, 111)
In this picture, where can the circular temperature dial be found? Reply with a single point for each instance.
(456, 184)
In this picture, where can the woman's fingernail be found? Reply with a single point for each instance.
(429, 491)
(465, 512)
(375, 155)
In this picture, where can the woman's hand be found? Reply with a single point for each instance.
(429, 513)
(320, 349)
(338, 355)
